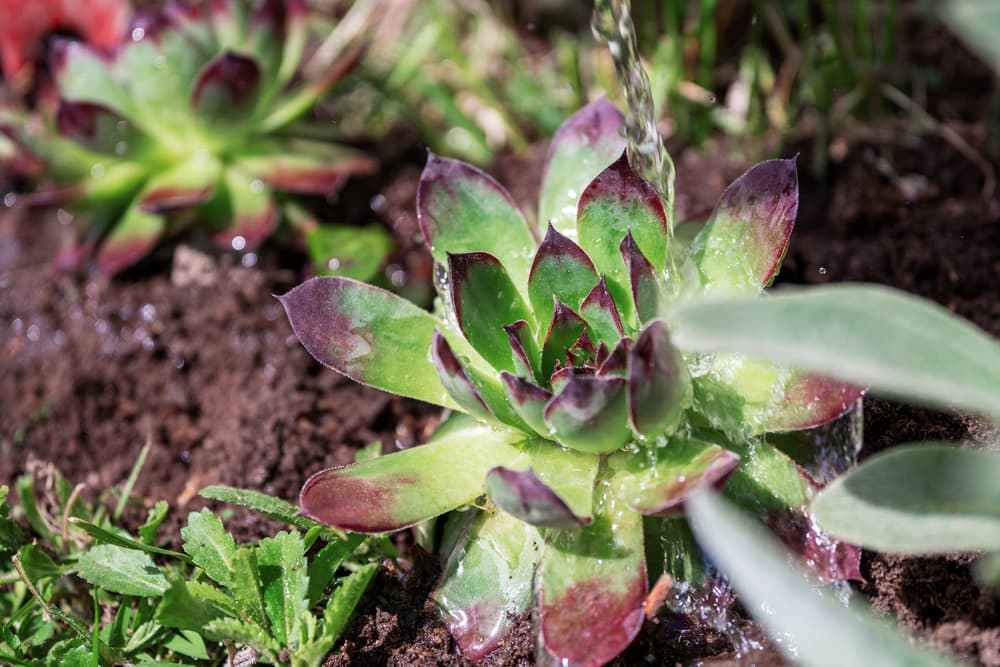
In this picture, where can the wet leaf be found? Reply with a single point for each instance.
(210, 546)
(525, 356)
(227, 89)
(120, 570)
(658, 381)
(281, 562)
(527, 399)
(600, 312)
(643, 285)
(248, 208)
(461, 209)
(523, 494)
(132, 238)
(927, 498)
(584, 146)
(564, 330)
(186, 185)
(590, 414)
(348, 251)
(561, 269)
(742, 245)
(97, 127)
(456, 380)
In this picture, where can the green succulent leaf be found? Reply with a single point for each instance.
(404, 488)
(523, 494)
(527, 399)
(131, 239)
(742, 245)
(485, 301)
(525, 356)
(456, 379)
(370, 335)
(560, 269)
(815, 629)
(590, 414)
(305, 167)
(564, 330)
(584, 146)
(97, 128)
(643, 285)
(188, 184)
(227, 89)
(348, 251)
(592, 585)
(896, 343)
(766, 481)
(83, 75)
(246, 205)
(918, 499)
(486, 585)
(599, 310)
(658, 381)
(461, 209)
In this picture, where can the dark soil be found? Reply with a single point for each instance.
(209, 373)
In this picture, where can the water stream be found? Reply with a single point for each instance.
(612, 24)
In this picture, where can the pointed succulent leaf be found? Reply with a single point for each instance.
(742, 245)
(247, 204)
(826, 558)
(227, 88)
(527, 399)
(368, 334)
(590, 414)
(523, 494)
(563, 374)
(486, 585)
(456, 380)
(265, 30)
(584, 146)
(600, 312)
(97, 127)
(133, 237)
(83, 75)
(644, 288)
(564, 330)
(569, 473)
(184, 186)
(658, 481)
(396, 491)
(485, 301)
(525, 356)
(767, 481)
(306, 167)
(810, 400)
(923, 498)
(658, 381)
(296, 34)
(592, 585)
(461, 209)
(616, 363)
(560, 268)
(228, 20)
(616, 203)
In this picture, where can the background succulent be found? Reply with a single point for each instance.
(196, 116)
(586, 428)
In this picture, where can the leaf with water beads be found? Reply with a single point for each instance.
(306, 167)
(601, 313)
(658, 381)
(590, 414)
(528, 400)
(564, 330)
(561, 269)
(523, 494)
(246, 204)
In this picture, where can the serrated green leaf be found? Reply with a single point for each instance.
(343, 601)
(37, 564)
(269, 506)
(25, 486)
(281, 562)
(324, 564)
(120, 570)
(189, 605)
(210, 546)
(157, 513)
(246, 587)
(246, 634)
(188, 643)
(105, 536)
(142, 636)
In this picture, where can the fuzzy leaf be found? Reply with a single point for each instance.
(742, 245)
(590, 414)
(487, 580)
(815, 629)
(592, 585)
(227, 88)
(281, 562)
(179, 607)
(662, 485)
(244, 633)
(919, 499)
(133, 237)
(485, 301)
(245, 586)
(616, 203)
(658, 381)
(120, 570)
(210, 546)
(399, 490)
(898, 344)
(461, 209)
(561, 269)
(584, 146)
(370, 335)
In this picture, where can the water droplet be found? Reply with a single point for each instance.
(121, 147)
(249, 259)
(238, 243)
(9, 199)
(64, 217)
(378, 202)
(34, 333)
(148, 312)
(333, 264)
(256, 186)
(97, 171)
(138, 33)
(822, 270)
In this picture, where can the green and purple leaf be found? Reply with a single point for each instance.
(528, 400)
(133, 237)
(600, 312)
(592, 585)
(590, 414)
(658, 381)
(485, 301)
(461, 209)
(523, 494)
(616, 363)
(396, 491)
(564, 330)
(584, 146)
(525, 356)
(486, 585)
(455, 379)
(368, 334)
(186, 185)
(97, 128)
(616, 203)
(83, 75)
(227, 88)
(743, 243)
(661, 486)
(307, 167)
(642, 281)
(560, 268)
(826, 557)
(251, 211)
(811, 400)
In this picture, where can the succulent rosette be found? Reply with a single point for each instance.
(195, 117)
(584, 428)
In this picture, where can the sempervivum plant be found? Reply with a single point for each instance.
(585, 428)
(193, 118)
